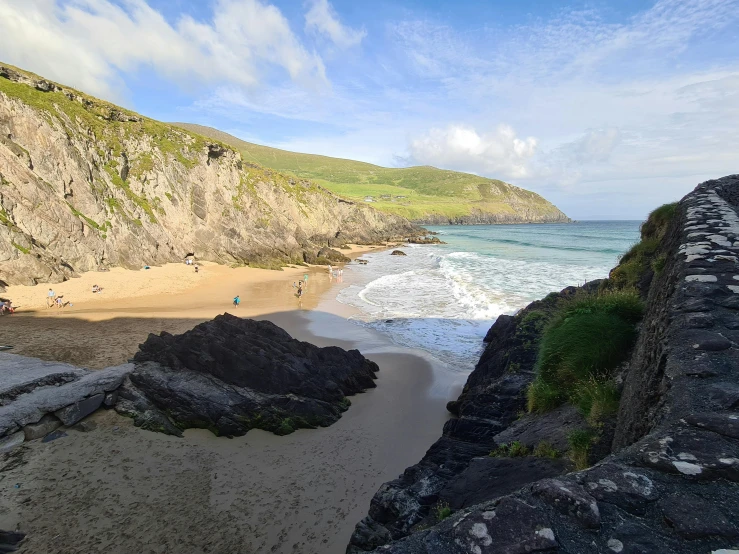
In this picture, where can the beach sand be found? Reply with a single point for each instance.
(117, 489)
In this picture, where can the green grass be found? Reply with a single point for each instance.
(441, 511)
(546, 450)
(415, 192)
(580, 442)
(512, 450)
(20, 248)
(585, 340)
(634, 265)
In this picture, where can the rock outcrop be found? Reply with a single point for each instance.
(86, 185)
(36, 396)
(231, 375)
(668, 482)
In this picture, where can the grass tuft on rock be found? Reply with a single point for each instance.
(546, 450)
(580, 442)
(643, 256)
(586, 339)
(442, 511)
(513, 450)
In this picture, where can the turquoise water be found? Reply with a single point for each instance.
(443, 298)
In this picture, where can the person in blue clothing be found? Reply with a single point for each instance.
(237, 301)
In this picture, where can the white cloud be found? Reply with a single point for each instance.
(499, 152)
(322, 19)
(86, 42)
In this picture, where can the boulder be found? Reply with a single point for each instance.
(81, 409)
(9, 442)
(231, 375)
(398, 253)
(39, 430)
(331, 255)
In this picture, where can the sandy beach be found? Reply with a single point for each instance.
(110, 487)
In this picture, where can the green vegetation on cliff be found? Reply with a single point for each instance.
(424, 194)
(587, 338)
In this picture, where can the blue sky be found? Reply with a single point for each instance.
(606, 108)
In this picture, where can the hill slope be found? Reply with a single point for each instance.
(422, 194)
(85, 184)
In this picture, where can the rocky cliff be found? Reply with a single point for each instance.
(659, 469)
(85, 185)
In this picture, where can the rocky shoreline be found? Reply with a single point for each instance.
(664, 473)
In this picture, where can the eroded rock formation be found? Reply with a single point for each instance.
(231, 375)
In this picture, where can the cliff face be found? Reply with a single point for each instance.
(85, 184)
(666, 467)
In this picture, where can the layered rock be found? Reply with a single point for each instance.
(36, 396)
(671, 482)
(85, 184)
(231, 375)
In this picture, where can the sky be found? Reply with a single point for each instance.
(606, 108)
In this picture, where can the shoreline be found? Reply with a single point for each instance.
(303, 492)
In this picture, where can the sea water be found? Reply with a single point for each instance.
(444, 298)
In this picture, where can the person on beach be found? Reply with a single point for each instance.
(196, 268)
(300, 289)
(237, 301)
(50, 298)
(59, 302)
(305, 279)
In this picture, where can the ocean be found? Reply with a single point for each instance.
(443, 298)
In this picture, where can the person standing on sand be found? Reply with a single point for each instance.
(50, 299)
(237, 301)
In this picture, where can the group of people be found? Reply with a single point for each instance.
(190, 261)
(338, 274)
(53, 300)
(6, 306)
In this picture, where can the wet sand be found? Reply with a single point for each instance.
(117, 489)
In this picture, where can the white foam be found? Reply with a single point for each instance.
(444, 299)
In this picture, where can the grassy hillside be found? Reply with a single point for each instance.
(424, 193)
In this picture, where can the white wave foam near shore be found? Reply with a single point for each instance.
(443, 299)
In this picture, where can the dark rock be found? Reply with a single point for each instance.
(726, 424)
(631, 489)
(699, 320)
(332, 255)
(692, 517)
(231, 375)
(45, 86)
(570, 499)
(72, 414)
(58, 434)
(10, 540)
(46, 425)
(398, 253)
(110, 399)
(552, 428)
(490, 477)
(216, 151)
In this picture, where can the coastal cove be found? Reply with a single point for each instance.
(302, 492)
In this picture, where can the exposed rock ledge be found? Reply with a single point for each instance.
(671, 483)
(231, 375)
